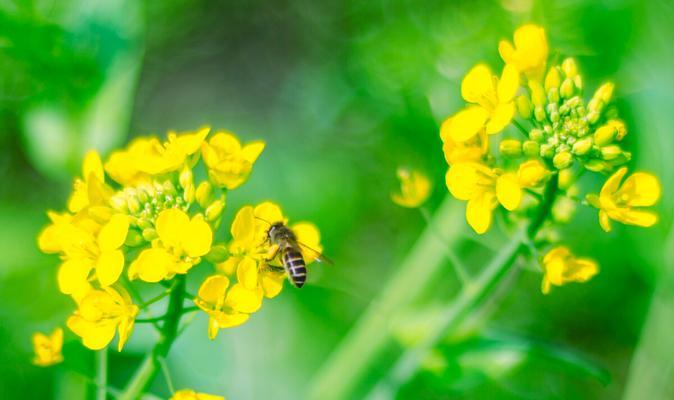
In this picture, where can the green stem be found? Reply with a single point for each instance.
(168, 333)
(101, 373)
(521, 128)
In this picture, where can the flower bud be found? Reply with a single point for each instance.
(547, 150)
(134, 238)
(582, 146)
(188, 194)
(605, 92)
(204, 194)
(604, 135)
(118, 203)
(592, 117)
(563, 210)
(532, 174)
(565, 178)
(552, 79)
(562, 160)
(217, 254)
(539, 113)
(621, 129)
(596, 165)
(186, 177)
(567, 89)
(610, 152)
(510, 147)
(553, 96)
(149, 234)
(537, 93)
(133, 205)
(524, 107)
(569, 67)
(578, 82)
(214, 211)
(536, 134)
(531, 148)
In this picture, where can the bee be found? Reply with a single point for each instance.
(291, 253)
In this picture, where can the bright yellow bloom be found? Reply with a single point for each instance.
(532, 174)
(147, 156)
(91, 189)
(225, 308)
(189, 394)
(529, 53)
(470, 150)
(623, 202)
(100, 314)
(493, 107)
(181, 243)
(560, 267)
(229, 163)
(48, 348)
(415, 188)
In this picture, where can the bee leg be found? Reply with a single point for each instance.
(271, 254)
(273, 268)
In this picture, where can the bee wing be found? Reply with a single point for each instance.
(317, 254)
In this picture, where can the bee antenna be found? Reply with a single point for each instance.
(263, 220)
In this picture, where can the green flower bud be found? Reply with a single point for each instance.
(567, 89)
(547, 150)
(562, 160)
(186, 177)
(531, 148)
(582, 146)
(217, 254)
(134, 238)
(605, 92)
(596, 165)
(610, 152)
(578, 82)
(141, 195)
(539, 114)
(537, 93)
(214, 211)
(604, 135)
(569, 67)
(204, 194)
(553, 96)
(510, 147)
(524, 107)
(149, 234)
(536, 134)
(621, 129)
(133, 205)
(593, 117)
(552, 79)
(188, 194)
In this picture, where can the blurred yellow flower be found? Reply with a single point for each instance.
(415, 188)
(180, 244)
(492, 97)
(530, 52)
(90, 190)
(623, 202)
(189, 394)
(229, 164)
(225, 308)
(470, 150)
(532, 174)
(100, 314)
(561, 267)
(48, 348)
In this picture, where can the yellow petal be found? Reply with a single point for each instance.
(189, 142)
(507, 51)
(243, 227)
(113, 234)
(478, 85)
(500, 118)
(247, 273)
(213, 289)
(95, 336)
(171, 224)
(92, 166)
(479, 212)
(152, 265)
(467, 123)
(230, 320)
(197, 238)
(272, 283)
(251, 151)
(269, 212)
(109, 267)
(125, 327)
(467, 180)
(641, 189)
(72, 275)
(244, 300)
(604, 221)
(613, 182)
(508, 84)
(532, 173)
(415, 188)
(644, 219)
(309, 238)
(508, 191)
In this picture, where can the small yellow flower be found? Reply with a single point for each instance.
(624, 202)
(48, 348)
(470, 150)
(529, 53)
(91, 189)
(229, 164)
(189, 394)
(493, 106)
(415, 188)
(181, 243)
(226, 306)
(560, 267)
(100, 314)
(532, 174)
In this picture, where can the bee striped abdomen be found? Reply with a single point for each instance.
(293, 262)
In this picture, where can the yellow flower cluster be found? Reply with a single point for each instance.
(539, 126)
(150, 213)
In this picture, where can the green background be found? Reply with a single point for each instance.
(342, 92)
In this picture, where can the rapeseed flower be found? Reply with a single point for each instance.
(227, 306)
(415, 188)
(529, 53)
(229, 163)
(561, 267)
(47, 348)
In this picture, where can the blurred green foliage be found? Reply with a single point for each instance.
(343, 92)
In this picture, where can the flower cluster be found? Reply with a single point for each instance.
(530, 125)
(149, 214)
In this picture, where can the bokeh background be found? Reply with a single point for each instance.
(343, 92)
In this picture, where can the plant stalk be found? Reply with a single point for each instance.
(167, 335)
(101, 373)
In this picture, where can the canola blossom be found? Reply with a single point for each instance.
(148, 215)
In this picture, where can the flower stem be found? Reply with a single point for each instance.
(101, 373)
(168, 333)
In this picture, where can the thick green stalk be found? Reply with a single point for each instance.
(347, 367)
(101, 373)
(169, 330)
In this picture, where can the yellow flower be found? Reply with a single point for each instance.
(181, 243)
(91, 189)
(414, 188)
(532, 174)
(493, 106)
(100, 314)
(470, 150)
(48, 348)
(146, 157)
(225, 308)
(189, 394)
(529, 53)
(623, 202)
(484, 188)
(560, 267)
(229, 164)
